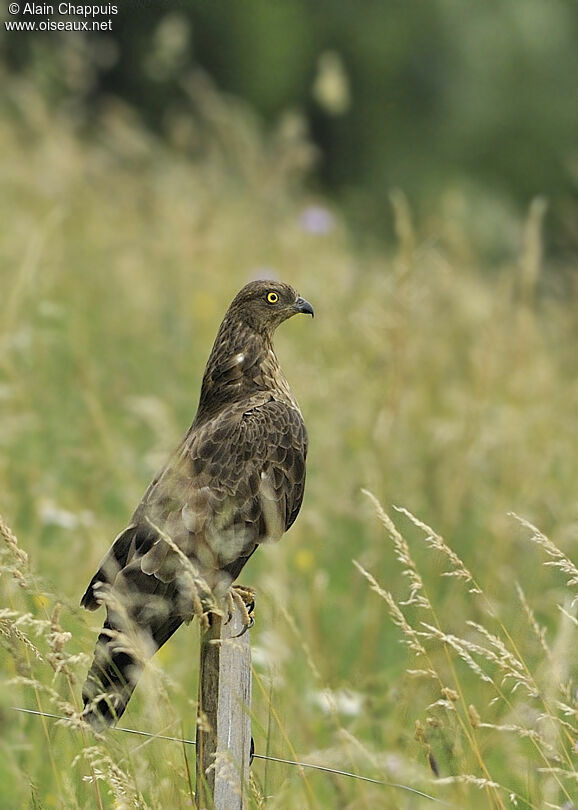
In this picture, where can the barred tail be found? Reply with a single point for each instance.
(135, 628)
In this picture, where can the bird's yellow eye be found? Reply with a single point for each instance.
(272, 297)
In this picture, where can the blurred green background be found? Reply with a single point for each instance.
(427, 97)
(411, 169)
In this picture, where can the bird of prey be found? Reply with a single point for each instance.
(235, 481)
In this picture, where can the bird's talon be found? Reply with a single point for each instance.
(246, 627)
(244, 599)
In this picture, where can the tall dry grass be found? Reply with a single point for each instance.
(444, 387)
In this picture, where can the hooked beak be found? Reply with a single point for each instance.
(301, 305)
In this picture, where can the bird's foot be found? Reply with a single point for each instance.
(244, 599)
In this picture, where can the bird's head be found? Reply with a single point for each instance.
(263, 305)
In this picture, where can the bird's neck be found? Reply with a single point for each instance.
(242, 363)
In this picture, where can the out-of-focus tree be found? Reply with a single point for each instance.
(422, 96)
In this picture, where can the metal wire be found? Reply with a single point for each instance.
(309, 765)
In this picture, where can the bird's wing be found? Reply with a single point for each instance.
(236, 480)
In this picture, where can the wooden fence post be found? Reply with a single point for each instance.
(223, 719)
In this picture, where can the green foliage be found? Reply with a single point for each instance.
(433, 95)
(440, 388)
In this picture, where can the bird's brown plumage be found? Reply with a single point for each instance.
(235, 481)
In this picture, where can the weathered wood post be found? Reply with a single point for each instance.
(223, 719)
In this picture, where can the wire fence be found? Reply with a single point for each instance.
(280, 760)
